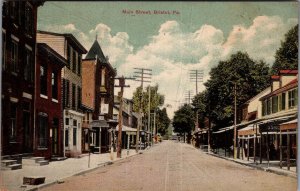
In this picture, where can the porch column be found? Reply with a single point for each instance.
(238, 153)
(243, 148)
(254, 148)
(280, 147)
(248, 147)
(268, 151)
(288, 151)
(100, 140)
(260, 148)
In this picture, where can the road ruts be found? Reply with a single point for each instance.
(172, 166)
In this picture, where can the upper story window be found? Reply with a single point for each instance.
(103, 77)
(15, 11)
(78, 97)
(274, 104)
(43, 80)
(293, 98)
(54, 86)
(69, 55)
(29, 27)
(5, 8)
(4, 50)
(28, 68)
(14, 56)
(73, 96)
(74, 61)
(79, 65)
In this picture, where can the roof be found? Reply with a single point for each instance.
(288, 71)
(275, 77)
(96, 51)
(290, 85)
(44, 47)
(68, 36)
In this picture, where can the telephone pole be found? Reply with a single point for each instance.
(188, 96)
(235, 133)
(120, 120)
(140, 75)
(196, 76)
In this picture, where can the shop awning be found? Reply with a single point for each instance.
(126, 129)
(290, 125)
(249, 130)
(98, 123)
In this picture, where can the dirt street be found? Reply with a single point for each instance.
(175, 166)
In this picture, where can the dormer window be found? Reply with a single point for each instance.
(293, 96)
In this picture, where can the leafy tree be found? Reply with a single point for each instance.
(163, 121)
(200, 104)
(183, 121)
(250, 78)
(286, 56)
(156, 99)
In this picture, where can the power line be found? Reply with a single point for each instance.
(196, 76)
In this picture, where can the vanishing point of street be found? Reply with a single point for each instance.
(176, 166)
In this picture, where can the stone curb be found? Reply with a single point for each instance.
(256, 167)
(81, 172)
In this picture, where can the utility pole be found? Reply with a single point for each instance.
(141, 75)
(188, 96)
(196, 76)
(234, 139)
(120, 120)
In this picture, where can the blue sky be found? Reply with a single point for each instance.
(198, 36)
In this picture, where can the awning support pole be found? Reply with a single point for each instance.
(260, 148)
(268, 151)
(280, 147)
(288, 151)
(248, 148)
(243, 147)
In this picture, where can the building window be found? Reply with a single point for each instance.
(13, 120)
(74, 122)
(43, 129)
(66, 92)
(3, 50)
(14, 56)
(269, 106)
(15, 10)
(43, 80)
(5, 8)
(54, 85)
(74, 61)
(274, 104)
(67, 121)
(79, 65)
(28, 69)
(69, 55)
(66, 137)
(74, 136)
(73, 96)
(103, 77)
(283, 97)
(28, 19)
(79, 97)
(292, 96)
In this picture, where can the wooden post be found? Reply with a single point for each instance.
(243, 148)
(238, 150)
(268, 151)
(288, 151)
(280, 147)
(260, 148)
(254, 148)
(248, 148)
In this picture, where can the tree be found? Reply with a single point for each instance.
(250, 78)
(201, 107)
(183, 121)
(286, 56)
(156, 99)
(163, 121)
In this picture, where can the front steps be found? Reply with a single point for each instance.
(35, 161)
(10, 165)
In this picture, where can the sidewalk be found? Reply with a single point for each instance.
(273, 165)
(57, 170)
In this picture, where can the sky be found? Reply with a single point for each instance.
(180, 37)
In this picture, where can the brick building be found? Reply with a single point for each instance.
(70, 48)
(19, 21)
(98, 93)
(48, 104)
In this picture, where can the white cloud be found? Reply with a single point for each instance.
(171, 53)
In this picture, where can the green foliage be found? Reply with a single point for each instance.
(163, 121)
(183, 121)
(156, 99)
(250, 78)
(286, 56)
